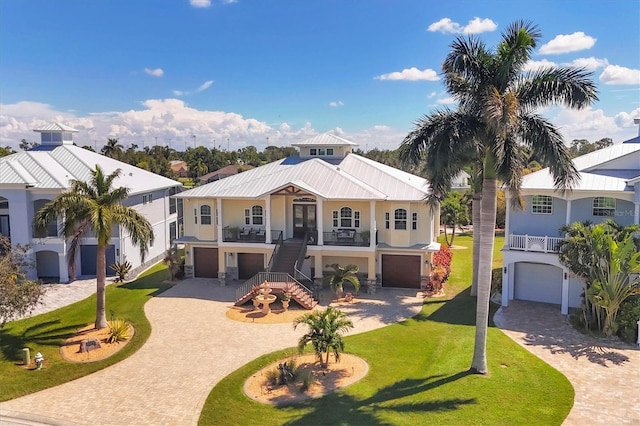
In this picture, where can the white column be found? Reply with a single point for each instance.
(267, 218)
(507, 226)
(372, 226)
(567, 220)
(62, 266)
(220, 220)
(564, 306)
(320, 220)
(636, 214)
(505, 283)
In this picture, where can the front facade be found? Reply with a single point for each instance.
(609, 188)
(347, 208)
(30, 179)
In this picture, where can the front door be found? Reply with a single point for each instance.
(304, 219)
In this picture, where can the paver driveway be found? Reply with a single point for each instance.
(192, 347)
(605, 376)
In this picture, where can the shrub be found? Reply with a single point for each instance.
(121, 269)
(496, 280)
(118, 331)
(441, 269)
(627, 320)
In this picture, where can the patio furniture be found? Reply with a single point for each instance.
(346, 235)
(245, 234)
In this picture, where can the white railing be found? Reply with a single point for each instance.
(543, 244)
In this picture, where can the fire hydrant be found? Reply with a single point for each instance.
(39, 359)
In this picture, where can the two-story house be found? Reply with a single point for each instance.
(609, 188)
(329, 204)
(29, 179)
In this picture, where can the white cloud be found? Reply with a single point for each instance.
(204, 86)
(200, 3)
(411, 74)
(179, 93)
(537, 65)
(475, 26)
(446, 101)
(615, 74)
(564, 43)
(158, 72)
(336, 104)
(431, 95)
(594, 124)
(590, 63)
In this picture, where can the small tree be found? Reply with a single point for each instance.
(453, 212)
(325, 332)
(441, 269)
(18, 295)
(172, 259)
(341, 275)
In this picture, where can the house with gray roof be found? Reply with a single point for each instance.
(29, 179)
(609, 188)
(300, 214)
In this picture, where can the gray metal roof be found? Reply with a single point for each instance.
(56, 168)
(354, 178)
(325, 139)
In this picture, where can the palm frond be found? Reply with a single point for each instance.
(569, 86)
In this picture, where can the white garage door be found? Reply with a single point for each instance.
(538, 282)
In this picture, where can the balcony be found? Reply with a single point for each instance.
(540, 244)
(247, 234)
(346, 237)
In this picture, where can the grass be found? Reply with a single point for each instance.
(44, 333)
(418, 375)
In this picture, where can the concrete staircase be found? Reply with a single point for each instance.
(285, 260)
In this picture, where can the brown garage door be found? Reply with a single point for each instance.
(400, 271)
(205, 262)
(249, 264)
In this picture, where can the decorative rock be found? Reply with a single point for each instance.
(89, 345)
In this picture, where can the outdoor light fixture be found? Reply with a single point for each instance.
(565, 275)
(504, 269)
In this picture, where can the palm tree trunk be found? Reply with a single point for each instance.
(101, 278)
(326, 364)
(475, 212)
(487, 235)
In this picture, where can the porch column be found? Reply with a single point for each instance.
(267, 218)
(564, 306)
(567, 220)
(220, 219)
(636, 214)
(372, 230)
(320, 220)
(505, 281)
(62, 266)
(317, 265)
(507, 227)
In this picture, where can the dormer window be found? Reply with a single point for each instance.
(329, 151)
(313, 151)
(321, 151)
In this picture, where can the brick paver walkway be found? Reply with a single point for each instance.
(605, 375)
(191, 348)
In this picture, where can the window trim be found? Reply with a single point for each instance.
(602, 210)
(399, 220)
(346, 220)
(205, 218)
(255, 216)
(414, 221)
(387, 220)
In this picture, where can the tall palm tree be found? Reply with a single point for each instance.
(342, 275)
(493, 123)
(95, 206)
(112, 148)
(325, 332)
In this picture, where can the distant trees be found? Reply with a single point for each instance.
(582, 146)
(6, 150)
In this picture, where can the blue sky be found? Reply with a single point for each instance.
(263, 71)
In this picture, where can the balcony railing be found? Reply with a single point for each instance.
(346, 237)
(542, 244)
(248, 235)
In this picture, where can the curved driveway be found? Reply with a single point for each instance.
(192, 346)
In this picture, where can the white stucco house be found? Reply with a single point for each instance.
(327, 205)
(609, 188)
(29, 179)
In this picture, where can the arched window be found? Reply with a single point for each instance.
(205, 215)
(346, 214)
(256, 214)
(400, 216)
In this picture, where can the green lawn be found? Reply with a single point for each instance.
(44, 333)
(418, 375)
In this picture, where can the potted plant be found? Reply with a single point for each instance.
(366, 236)
(286, 298)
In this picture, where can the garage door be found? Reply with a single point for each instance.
(249, 264)
(205, 262)
(88, 259)
(538, 282)
(400, 271)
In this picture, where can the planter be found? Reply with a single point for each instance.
(285, 304)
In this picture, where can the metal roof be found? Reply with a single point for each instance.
(325, 139)
(354, 178)
(590, 178)
(55, 127)
(56, 168)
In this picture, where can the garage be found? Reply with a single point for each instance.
(88, 259)
(249, 264)
(538, 282)
(400, 271)
(205, 262)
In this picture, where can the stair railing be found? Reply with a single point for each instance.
(272, 277)
(274, 254)
(298, 274)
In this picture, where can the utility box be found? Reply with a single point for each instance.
(26, 356)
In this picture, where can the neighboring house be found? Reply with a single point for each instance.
(179, 168)
(349, 208)
(609, 188)
(226, 171)
(29, 179)
(461, 181)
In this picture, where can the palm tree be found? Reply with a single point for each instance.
(112, 148)
(342, 275)
(325, 332)
(95, 206)
(494, 122)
